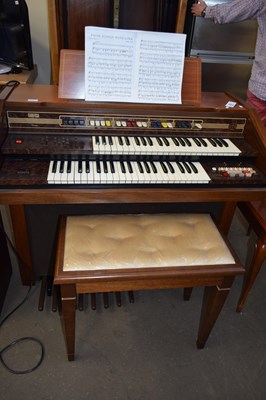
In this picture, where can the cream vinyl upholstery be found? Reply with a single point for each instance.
(98, 242)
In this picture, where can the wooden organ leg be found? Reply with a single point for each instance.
(20, 231)
(258, 259)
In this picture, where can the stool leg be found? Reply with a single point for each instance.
(213, 301)
(93, 301)
(187, 293)
(118, 299)
(69, 303)
(131, 296)
(257, 261)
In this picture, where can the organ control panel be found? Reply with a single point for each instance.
(76, 143)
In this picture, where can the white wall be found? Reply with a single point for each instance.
(39, 26)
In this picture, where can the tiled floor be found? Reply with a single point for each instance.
(141, 351)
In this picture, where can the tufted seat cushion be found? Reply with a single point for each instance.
(100, 242)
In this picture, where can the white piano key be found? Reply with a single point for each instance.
(51, 173)
(57, 174)
(77, 174)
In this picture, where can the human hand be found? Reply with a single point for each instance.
(197, 8)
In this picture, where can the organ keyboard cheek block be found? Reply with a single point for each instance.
(105, 253)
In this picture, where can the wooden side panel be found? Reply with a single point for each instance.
(181, 15)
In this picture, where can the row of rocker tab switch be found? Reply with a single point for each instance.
(130, 123)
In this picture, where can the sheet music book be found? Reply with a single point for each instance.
(133, 66)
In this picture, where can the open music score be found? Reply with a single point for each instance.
(133, 66)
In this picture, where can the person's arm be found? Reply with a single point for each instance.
(233, 11)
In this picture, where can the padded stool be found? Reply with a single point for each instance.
(255, 213)
(106, 253)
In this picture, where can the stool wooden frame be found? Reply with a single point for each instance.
(217, 280)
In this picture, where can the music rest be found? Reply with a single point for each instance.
(71, 77)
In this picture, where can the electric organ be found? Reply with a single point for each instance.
(64, 152)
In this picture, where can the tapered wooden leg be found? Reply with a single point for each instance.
(256, 264)
(69, 303)
(213, 301)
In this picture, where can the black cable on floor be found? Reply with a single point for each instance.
(23, 339)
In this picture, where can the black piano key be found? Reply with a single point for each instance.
(182, 142)
(120, 141)
(187, 167)
(218, 142)
(224, 142)
(105, 167)
(127, 141)
(193, 167)
(137, 141)
(123, 169)
(112, 167)
(150, 142)
(160, 142)
(61, 167)
(188, 142)
(176, 142)
(212, 142)
(103, 140)
(98, 167)
(54, 166)
(203, 141)
(143, 140)
(79, 166)
(147, 168)
(110, 140)
(87, 167)
(140, 167)
(97, 140)
(197, 142)
(166, 141)
(153, 167)
(69, 167)
(164, 168)
(180, 166)
(129, 167)
(171, 168)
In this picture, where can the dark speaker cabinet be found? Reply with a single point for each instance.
(68, 19)
(74, 15)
